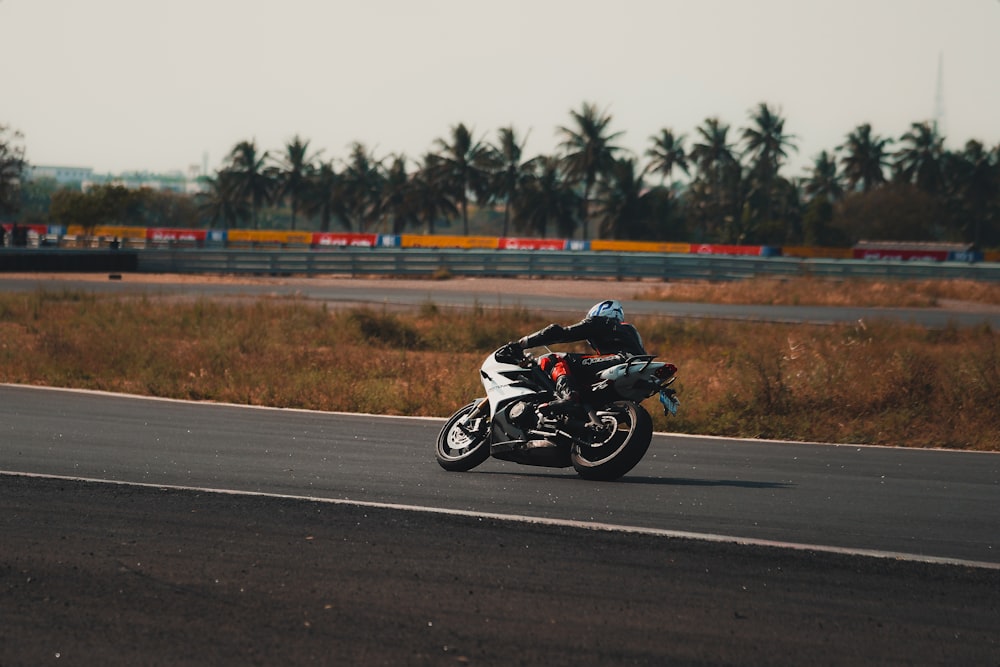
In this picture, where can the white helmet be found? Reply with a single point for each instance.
(611, 309)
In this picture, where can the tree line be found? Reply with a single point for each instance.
(722, 185)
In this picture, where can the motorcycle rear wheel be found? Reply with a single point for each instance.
(456, 450)
(631, 430)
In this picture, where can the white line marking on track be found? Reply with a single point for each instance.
(516, 518)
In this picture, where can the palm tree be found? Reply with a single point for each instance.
(293, 175)
(461, 167)
(865, 158)
(767, 146)
(666, 154)
(547, 197)
(621, 201)
(249, 171)
(429, 199)
(822, 187)
(224, 201)
(713, 153)
(361, 187)
(510, 172)
(919, 161)
(972, 177)
(714, 196)
(397, 195)
(589, 153)
(785, 225)
(323, 198)
(823, 180)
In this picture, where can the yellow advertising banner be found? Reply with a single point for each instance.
(119, 231)
(639, 246)
(435, 241)
(268, 236)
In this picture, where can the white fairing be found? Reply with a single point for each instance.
(626, 376)
(501, 383)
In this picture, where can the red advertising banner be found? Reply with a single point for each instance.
(41, 230)
(901, 255)
(720, 249)
(164, 234)
(532, 244)
(344, 239)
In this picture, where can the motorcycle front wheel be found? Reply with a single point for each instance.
(629, 430)
(463, 443)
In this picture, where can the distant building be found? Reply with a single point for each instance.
(85, 178)
(62, 175)
(174, 181)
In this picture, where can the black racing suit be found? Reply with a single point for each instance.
(612, 340)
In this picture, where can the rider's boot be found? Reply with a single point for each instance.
(567, 398)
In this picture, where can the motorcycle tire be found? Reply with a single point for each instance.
(628, 440)
(456, 451)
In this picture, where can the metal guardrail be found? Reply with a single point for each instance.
(536, 263)
(455, 262)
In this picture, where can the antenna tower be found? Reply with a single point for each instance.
(939, 97)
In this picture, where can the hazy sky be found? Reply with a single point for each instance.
(136, 85)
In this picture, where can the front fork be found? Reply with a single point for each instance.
(472, 423)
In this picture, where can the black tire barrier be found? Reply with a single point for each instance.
(72, 261)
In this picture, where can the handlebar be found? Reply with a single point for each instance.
(514, 354)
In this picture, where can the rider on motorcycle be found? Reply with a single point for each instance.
(604, 328)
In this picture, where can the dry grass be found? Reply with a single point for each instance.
(887, 384)
(823, 292)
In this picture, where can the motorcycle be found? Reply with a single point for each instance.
(602, 438)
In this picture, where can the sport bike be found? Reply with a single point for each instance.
(603, 437)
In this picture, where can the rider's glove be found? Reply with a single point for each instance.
(511, 351)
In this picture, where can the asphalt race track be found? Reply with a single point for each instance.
(234, 535)
(139, 531)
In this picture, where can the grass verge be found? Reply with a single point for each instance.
(829, 292)
(889, 384)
